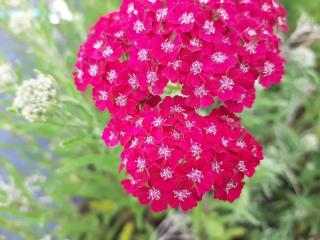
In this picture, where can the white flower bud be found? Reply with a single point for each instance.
(15, 3)
(310, 142)
(34, 98)
(303, 56)
(59, 12)
(10, 194)
(32, 183)
(7, 76)
(20, 22)
(47, 237)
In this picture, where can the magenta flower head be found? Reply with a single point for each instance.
(154, 65)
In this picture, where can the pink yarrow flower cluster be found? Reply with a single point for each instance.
(153, 64)
(173, 156)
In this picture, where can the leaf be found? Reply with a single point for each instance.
(236, 232)
(102, 206)
(127, 231)
(215, 229)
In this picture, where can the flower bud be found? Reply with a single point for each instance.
(310, 142)
(15, 3)
(303, 56)
(7, 76)
(34, 98)
(20, 22)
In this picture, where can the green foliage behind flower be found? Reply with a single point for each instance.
(80, 196)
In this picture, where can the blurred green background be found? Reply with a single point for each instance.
(58, 181)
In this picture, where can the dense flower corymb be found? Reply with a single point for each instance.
(184, 152)
(154, 64)
(7, 76)
(35, 97)
(20, 22)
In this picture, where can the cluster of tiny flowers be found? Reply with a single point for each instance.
(10, 194)
(215, 51)
(15, 3)
(20, 21)
(7, 76)
(50, 237)
(173, 156)
(59, 12)
(34, 98)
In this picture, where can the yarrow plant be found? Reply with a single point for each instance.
(10, 194)
(207, 54)
(35, 97)
(21, 22)
(15, 3)
(7, 76)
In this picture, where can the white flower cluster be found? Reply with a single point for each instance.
(47, 237)
(310, 142)
(15, 3)
(20, 21)
(32, 183)
(59, 11)
(303, 56)
(35, 97)
(7, 76)
(10, 194)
